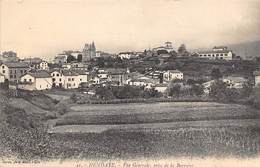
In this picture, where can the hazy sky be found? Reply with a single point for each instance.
(44, 28)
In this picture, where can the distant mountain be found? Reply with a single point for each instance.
(246, 49)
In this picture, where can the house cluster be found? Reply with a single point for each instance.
(236, 82)
(39, 76)
(69, 70)
(33, 74)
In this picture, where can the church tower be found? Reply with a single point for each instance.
(89, 52)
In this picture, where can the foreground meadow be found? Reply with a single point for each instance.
(154, 113)
(157, 130)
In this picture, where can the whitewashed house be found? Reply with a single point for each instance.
(2, 78)
(146, 82)
(40, 80)
(161, 87)
(57, 78)
(127, 55)
(82, 76)
(257, 78)
(14, 70)
(173, 75)
(68, 79)
(44, 65)
(234, 82)
(60, 58)
(72, 79)
(207, 86)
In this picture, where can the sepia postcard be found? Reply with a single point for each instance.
(129, 83)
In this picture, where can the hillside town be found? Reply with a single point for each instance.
(165, 70)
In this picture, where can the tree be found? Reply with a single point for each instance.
(197, 89)
(220, 92)
(215, 73)
(182, 49)
(151, 93)
(100, 62)
(70, 58)
(217, 90)
(79, 58)
(162, 52)
(246, 90)
(173, 53)
(174, 89)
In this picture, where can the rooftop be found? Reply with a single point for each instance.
(69, 73)
(39, 74)
(214, 51)
(16, 64)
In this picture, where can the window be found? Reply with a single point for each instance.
(69, 79)
(3, 67)
(80, 79)
(217, 55)
(15, 71)
(24, 80)
(225, 54)
(53, 75)
(11, 71)
(11, 76)
(60, 79)
(3, 71)
(25, 71)
(72, 79)
(53, 79)
(57, 75)
(21, 71)
(30, 80)
(14, 76)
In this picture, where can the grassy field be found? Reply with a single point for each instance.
(154, 113)
(157, 130)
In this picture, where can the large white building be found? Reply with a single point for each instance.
(217, 53)
(40, 80)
